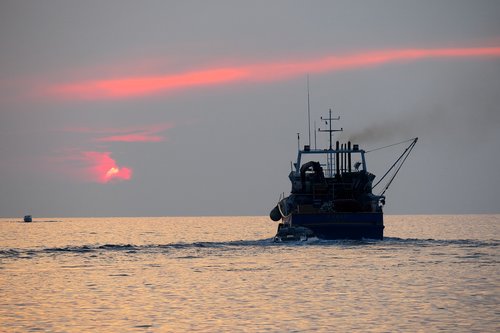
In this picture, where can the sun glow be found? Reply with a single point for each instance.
(139, 86)
(111, 172)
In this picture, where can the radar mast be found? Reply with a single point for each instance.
(330, 130)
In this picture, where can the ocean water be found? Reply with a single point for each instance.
(224, 274)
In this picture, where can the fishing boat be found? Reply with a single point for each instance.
(331, 195)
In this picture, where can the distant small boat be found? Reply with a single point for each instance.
(27, 218)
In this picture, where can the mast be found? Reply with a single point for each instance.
(308, 112)
(328, 121)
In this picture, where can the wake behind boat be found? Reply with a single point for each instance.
(331, 195)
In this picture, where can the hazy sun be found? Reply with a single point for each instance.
(111, 172)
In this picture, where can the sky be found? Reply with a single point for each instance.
(186, 108)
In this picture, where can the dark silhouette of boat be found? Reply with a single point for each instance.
(331, 195)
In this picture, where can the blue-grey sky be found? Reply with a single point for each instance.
(127, 108)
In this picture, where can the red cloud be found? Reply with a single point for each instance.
(147, 133)
(100, 167)
(127, 87)
(132, 138)
(137, 134)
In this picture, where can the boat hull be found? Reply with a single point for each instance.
(340, 225)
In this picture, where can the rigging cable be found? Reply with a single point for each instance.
(394, 144)
(405, 154)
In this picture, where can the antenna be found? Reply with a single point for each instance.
(315, 147)
(298, 141)
(308, 111)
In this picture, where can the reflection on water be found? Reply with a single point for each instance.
(431, 273)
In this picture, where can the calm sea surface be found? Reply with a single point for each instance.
(211, 274)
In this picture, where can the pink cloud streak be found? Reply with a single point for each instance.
(141, 86)
(138, 86)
